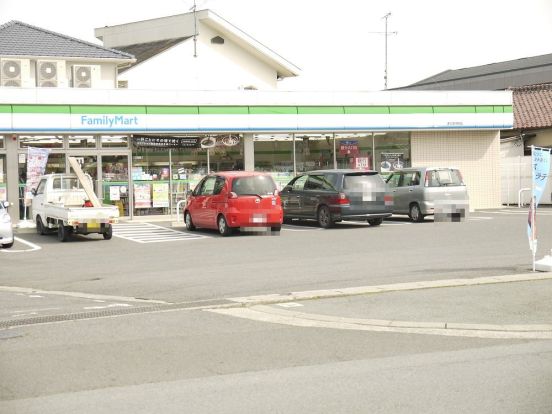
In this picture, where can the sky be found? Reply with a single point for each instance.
(338, 45)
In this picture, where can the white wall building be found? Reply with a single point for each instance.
(195, 51)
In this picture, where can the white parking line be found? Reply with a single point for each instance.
(32, 246)
(150, 233)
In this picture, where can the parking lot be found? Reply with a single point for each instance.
(161, 262)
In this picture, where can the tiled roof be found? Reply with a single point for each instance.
(22, 39)
(489, 69)
(144, 51)
(533, 106)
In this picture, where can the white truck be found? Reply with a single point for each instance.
(66, 202)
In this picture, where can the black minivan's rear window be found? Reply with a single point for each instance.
(360, 180)
(254, 185)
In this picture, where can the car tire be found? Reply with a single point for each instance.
(7, 245)
(222, 226)
(375, 222)
(63, 233)
(189, 223)
(276, 229)
(324, 217)
(288, 220)
(415, 213)
(40, 226)
(108, 232)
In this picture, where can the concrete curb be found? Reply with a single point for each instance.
(397, 287)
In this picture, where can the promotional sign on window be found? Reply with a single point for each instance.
(362, 163)
(391, 161)
(142, 195)
(349, 147)
(114, 193)
(160, 194)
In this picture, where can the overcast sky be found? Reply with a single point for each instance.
(338, 45)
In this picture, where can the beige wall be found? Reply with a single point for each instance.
(475, 153)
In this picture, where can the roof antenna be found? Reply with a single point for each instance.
(387, 34)
(194, 8)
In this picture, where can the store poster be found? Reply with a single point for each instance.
(114, 193)
(391, 161)
(160, 194)
(142, 195)
(362, 163)
(3, 194)
(37, 159)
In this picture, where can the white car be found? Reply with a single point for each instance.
(6, 228)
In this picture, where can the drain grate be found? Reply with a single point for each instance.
(105, 313)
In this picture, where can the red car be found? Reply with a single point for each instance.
(234, 200)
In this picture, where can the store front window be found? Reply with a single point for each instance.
(55, 164)
(354, 151)
(82, 141)
(313, 152)
(274, 154)
(89, 165)
(114, 141)
(44, 141)
(165, 167)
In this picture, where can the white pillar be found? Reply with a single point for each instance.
(248, 153)
(12, 173)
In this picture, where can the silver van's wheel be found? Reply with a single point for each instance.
(416, 214)
(223, 228)
(189, 223)
(325, 217)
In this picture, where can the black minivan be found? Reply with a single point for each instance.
(330, 196)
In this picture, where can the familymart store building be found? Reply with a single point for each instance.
(145, 149)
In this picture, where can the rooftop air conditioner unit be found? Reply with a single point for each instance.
(85, 76)
(14, 72)
(50, 73)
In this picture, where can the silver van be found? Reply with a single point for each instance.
(422, 191)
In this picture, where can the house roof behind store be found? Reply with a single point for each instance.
(143, 51)
(22, 39)
(533, 106)
(183, 25)
(493, 76)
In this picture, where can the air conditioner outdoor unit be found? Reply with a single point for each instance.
(14, 72)
(50, 73)
(85, 76)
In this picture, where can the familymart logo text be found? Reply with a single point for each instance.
(110, 121)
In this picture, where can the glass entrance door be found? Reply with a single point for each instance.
(114, 182)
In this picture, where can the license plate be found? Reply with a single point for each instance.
(258, 218)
